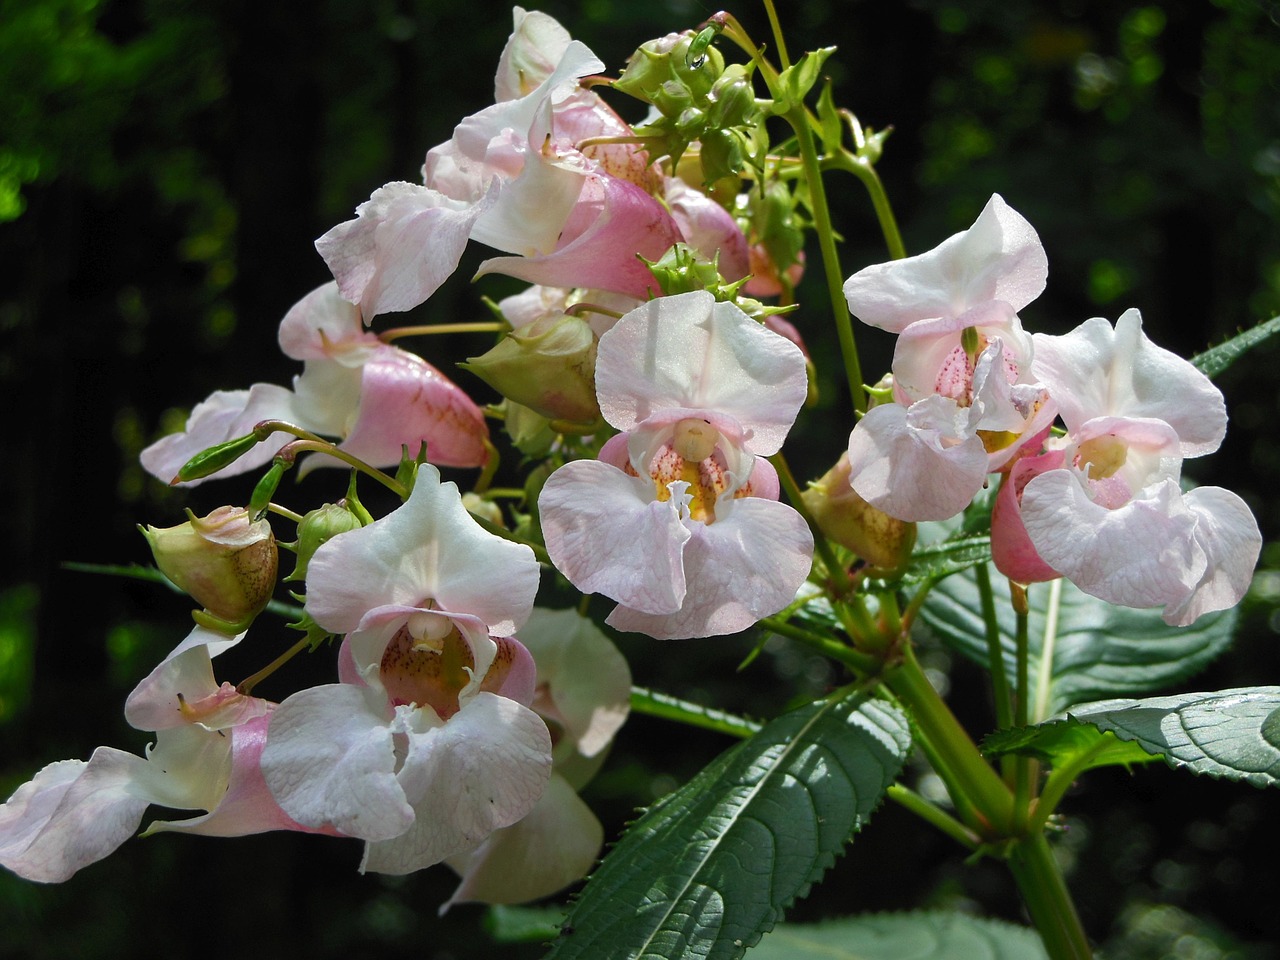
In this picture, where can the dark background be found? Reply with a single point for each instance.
(164, 169)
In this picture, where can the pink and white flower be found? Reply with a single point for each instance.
(678, 520)
(375, 396)
(1104, 507)
(208, 742)
(964, 394)
(427, 745)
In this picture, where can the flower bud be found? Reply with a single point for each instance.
(226, 562)
(884, 542)
(317, 528)
(548, 366)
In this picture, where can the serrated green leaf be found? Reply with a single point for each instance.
(902, 936)
(1065, 742)
(941, 559)
(1226, 734)
(1216, 359)
(1088, 650)
(710, 867)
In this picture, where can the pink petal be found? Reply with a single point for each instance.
(709, 228)
(613, 222)
(322, 325)
(222, 416)
(1011, 549)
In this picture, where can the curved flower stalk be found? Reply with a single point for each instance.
(678, 520)
(208, 743)
(1103, 506)
(583, 694)
(964, 395)
(374, 396)
(427, 745)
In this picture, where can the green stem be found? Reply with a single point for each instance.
(931, 813)
(331, 450)
(246, 686)
(1044, 891)
(973, 775)
(995, 653)
(835, 569)
(667, 707)
(480, 326)
(799, 120)
(860, 663)
(1058, 782)
(864, 171)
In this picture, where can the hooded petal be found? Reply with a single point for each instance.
(688, 351)
(606, 533)
(553, 846)
(428, 549)
(747, 565)
(917, 463)
(537, 43)
(405, 241)
(999, 258)
(484, 769)
(323, 326)
(1011, 549)
(1096, 371)
(187, 671)
(406, 401)
(330, 761)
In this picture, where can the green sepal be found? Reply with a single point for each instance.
(407, 472)
(265, 488)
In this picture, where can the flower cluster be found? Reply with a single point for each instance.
(654, 397)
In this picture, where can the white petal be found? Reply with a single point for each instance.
(552, 847)
(1228, 533)
(606, 534)
(917, 463)
(689, 351)
(483, 769)
(747, 565)
(1096, 371)
(70, 815)
(588, 679)
(153, 704)
(329, 761)
(429, 548)
(1143, 554)
(999, 258)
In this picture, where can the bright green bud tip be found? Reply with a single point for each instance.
(208, 462)
(224, 561)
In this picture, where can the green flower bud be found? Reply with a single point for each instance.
(225, 561)
(529, 431)
(548, 366)
(318, 527)
(733, 101)
(884, 542)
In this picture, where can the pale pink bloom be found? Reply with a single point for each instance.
(678, 520)
(427, 745)
(1110, 515)
(965, 398)
(583, 693)
(372, 395)
(208, 738)
(708, 228)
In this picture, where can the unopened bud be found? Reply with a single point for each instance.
(548, 366)
(884, 542)
(225, 561)
(317, 528)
